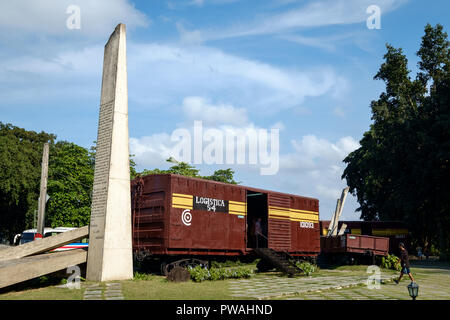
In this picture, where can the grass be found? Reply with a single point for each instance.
(44, 293)
(156, 287)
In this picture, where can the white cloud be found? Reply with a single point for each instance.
(84, 62)
(161, 75)
(168, 72)
(151, 151)
(312, 14)
(48, 17)
(362, 39)
(311, 147)
(198, 108)
(279, 125)
(315, 167)
(187, 36)
(221, 120)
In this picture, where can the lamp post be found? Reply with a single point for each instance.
(413, 289)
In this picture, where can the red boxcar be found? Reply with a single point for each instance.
(396, 231)
(352, 243)
(178, 215)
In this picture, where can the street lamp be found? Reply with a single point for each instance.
(413, 289)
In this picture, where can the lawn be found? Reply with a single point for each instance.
(158, 288)
(154, 287)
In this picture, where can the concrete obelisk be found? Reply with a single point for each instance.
(110, 248)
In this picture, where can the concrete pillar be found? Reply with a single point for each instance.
(110, 246)
(43, 192)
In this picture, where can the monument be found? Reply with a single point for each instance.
(110, 245)
(43, 190)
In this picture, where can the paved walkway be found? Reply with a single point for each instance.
(434, 284)
(98, 291)
(431, 287)
(271, 287)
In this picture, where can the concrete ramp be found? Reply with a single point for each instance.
(43, 245)
(18, 270)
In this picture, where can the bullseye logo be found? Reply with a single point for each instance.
(186, 217)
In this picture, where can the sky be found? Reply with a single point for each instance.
(302, 67)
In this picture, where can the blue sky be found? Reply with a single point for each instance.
(304, 67)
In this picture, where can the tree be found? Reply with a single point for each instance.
(71, 173)
(226, 176)
(20, 161)
(185, 169)
(401, 170)
(71, 176)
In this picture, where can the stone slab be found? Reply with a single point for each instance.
(18, 270)
(44, 244)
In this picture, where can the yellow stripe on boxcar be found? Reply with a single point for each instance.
(293, 214)
(182, 201)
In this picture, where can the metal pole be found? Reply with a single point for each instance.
(43, 192)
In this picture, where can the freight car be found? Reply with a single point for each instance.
(396, 231)
(352, 248)
(182, 221)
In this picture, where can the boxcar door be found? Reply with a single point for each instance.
(256, 209)
(279, 222)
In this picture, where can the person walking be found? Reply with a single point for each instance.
(404, 261)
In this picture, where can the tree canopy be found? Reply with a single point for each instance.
(71, 176)
(20, 161)
(185, 169)
(401, 171)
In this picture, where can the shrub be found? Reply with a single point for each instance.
(141, 276)
(199, 274)
(307, 268)
(226, 264)
(390, 262)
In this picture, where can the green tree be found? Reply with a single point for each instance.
(185, 169)
(71, 176)
(226, 176)
(401, 172)
(20, 161)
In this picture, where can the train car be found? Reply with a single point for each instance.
(396, 231)
(352, 248)
(178, 217)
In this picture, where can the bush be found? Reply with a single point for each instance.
(141, 276)
(307, 268)
(226, 264)
(390, 262)
(199, 274)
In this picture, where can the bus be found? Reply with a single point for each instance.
(32, 234)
